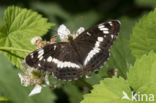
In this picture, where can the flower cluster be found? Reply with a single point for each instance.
(31, 76)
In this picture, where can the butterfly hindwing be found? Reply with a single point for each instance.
(58, 58)
(94, 44)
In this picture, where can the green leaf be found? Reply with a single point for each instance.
(21, 25)
(142, 74)
(149, 90)
(73, 92)
(141, 78)
(108, 91)
(144, 35)
(2, 8)
(151, 3)
(11, 88)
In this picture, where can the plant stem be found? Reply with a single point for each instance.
(15, 49)
(89, 86)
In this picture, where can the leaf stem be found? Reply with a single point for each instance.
(15, 49)
(84, 83)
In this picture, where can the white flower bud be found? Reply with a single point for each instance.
(34, 39)
(80, 30)
(24, 81)
(63, 32)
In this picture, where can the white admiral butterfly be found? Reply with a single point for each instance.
(87, 52)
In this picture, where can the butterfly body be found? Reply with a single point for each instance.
(69, 60)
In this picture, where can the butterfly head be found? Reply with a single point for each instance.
(70, 38)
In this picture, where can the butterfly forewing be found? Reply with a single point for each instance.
(94, 44)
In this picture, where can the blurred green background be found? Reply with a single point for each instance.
(74, 14)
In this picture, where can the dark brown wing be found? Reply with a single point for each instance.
(59, 58)
(93, 44)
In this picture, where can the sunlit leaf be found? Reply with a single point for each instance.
(108, 91)
(21, 25)
(143, 38)
(143, 72)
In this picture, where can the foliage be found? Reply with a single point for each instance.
(142, 74)
(20, 26)
(146, 2)
(136, 39)
(107, 92)
(11, 88)
(140, 77)
(143, 37)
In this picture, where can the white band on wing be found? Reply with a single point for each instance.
(94, 51)
(61, 64)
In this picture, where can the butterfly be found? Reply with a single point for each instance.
(85, 53)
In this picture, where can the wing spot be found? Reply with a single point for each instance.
(89, 34)
(54, 47)
(40, 53)
(112, 36)
(110, 23)
(101, 26)
(104, 29)
(49, 59)
(100, 39)
(97, 44)
(40, 58)
(31, 55)
(106, 32)
(39, 65)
